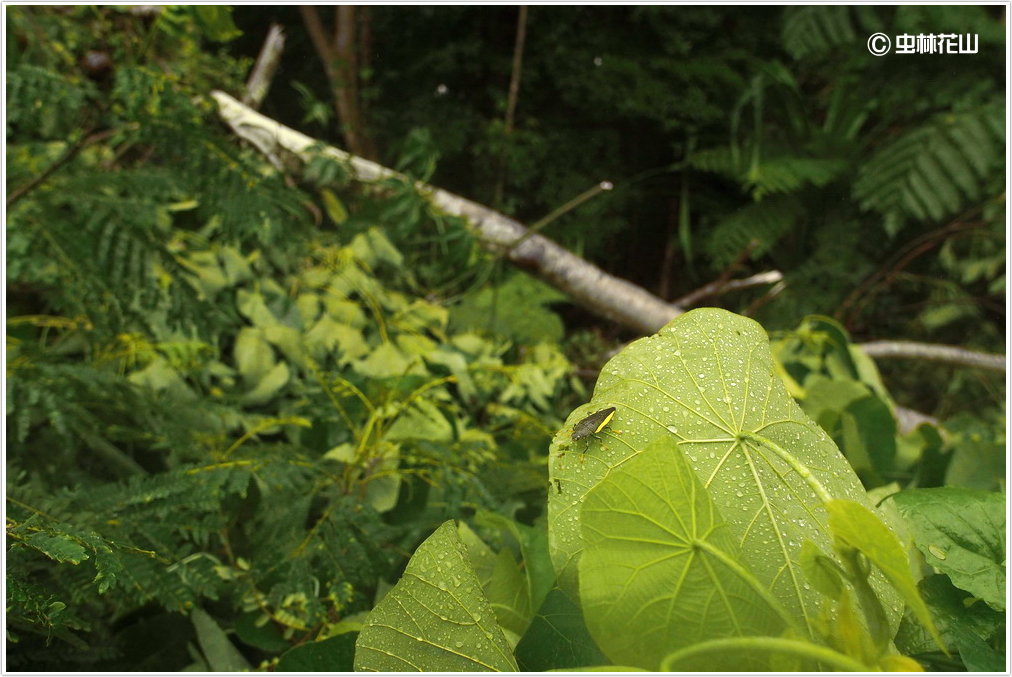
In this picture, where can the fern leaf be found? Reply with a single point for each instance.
(936, 169)
(766, 222)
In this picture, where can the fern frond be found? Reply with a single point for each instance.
(813, 30)
(717, 160)
(785, 174)
(765, 222)
(934, 170)
(44, 103)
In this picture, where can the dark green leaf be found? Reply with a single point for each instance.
(336, 654)
(557, 638)
(961, 532)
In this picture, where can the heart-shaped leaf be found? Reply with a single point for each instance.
(660, 569)
(707, 380)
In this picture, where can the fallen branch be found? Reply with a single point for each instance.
(603, 294)
(908, 419)
(934, 352)
(588, 285)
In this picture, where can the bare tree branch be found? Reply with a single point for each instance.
(262, 75)
(934, 352)
(606, 295)
(588, 285)
(721, 286)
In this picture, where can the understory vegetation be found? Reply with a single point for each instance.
(266, 416)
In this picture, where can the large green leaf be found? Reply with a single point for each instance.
(557, 637)
(661, 570)
(961, 533)
(436, 618)
(707, 380)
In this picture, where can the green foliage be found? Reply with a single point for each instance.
(213, 409)
(961, 533)
(935, 170)
(439, 591)
(231, 427)
(962, 620)
(518, 308)
(713, 387)
(667, 570)
(655, 520)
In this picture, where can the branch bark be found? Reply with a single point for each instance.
(934, 352)
(262, 75)
(340, 63)
(601, 293)
(588, 285)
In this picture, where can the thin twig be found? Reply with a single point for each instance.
(773, 292)
(70, 154)
(854, 303)
(725, 275)
(715, 288)
(572, 204)
(513, 94)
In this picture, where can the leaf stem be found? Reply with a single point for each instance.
(779, 645)
(789, 459)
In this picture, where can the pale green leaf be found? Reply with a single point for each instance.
(333, 206)
(373, 247)
(660, 568)
(860, 528)
(269, 386)
(707, 381)
(252, 306)
(509, 597)
(421, 420)
(254, 357)
(436, 618)
(386, 361)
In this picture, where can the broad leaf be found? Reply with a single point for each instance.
(436, 618)
(961, 532)
(533, 543)
(557, 638)
(661, 570)
(707, 381)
